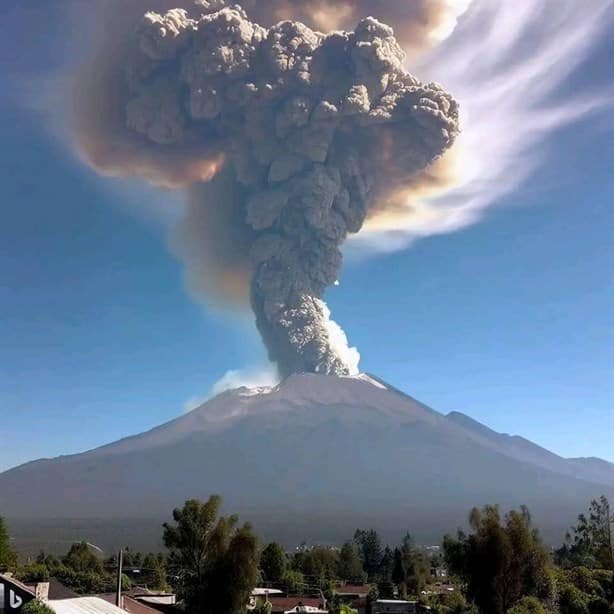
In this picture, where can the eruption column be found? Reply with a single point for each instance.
(314, 131)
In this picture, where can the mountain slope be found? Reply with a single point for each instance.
(312, 458)
(514, 446)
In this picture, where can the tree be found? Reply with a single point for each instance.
(590, 542)
(572, 600)
(350, 566)
(370, 546)
(154, 572)
(528, 605)
(385, 584)
(219, 560)
(293, 581)
(500, 563)
(585, 591)
(318, 565)
(273, 562)
(8, 557)
(81, 558)
(36, 607)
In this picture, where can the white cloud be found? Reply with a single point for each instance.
(250, 377)
(508, 64)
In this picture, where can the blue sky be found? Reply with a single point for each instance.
(510, 320)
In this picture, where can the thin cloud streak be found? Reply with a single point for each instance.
(507, 64)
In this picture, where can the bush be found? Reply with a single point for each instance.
(36, 607)
(528, 605)
(34, 572)
(572, 600)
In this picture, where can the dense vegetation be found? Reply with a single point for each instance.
(500, 566)
(8, 557)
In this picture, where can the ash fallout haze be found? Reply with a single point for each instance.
(440, 171)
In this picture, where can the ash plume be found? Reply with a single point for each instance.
(299, 135)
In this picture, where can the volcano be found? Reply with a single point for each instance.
(310, 459)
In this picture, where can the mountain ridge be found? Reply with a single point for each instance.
(349, 451)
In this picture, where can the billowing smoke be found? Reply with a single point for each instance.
(299, 136)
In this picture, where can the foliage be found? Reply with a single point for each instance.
(336, 607)
(8, 557)
(36, 607)
(292, 581)
(410, 569)
(80, 558)
(528, 605)
(219, 559)
(450, 603)
(80, 570)
(590, 542)
(572, 600)
(35, 572)
(273, 563)
(154, 572)
(318, 565)
(370, 547)
(500, 563)
(349, 568)
(585, 591)
(264, 608)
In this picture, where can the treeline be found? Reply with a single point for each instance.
(500, 566)
(84, 572)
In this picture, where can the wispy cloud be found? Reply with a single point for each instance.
(508, 63)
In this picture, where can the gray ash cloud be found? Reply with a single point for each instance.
(304, 134)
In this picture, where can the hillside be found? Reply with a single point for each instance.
(312, 458)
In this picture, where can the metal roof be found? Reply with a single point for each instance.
(83, 605)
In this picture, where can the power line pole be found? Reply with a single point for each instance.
(118, 595)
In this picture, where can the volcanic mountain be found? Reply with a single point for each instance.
(312, 458)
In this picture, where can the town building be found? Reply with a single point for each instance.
(394, 606)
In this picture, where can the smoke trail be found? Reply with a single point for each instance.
(311, 132)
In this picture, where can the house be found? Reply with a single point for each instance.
(290, 605)
(261, 595)
(394, 606)
(353, 591)
(142, 601)
(83, 605)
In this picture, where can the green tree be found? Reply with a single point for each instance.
(385, 584)
(263, 608)
(500, 563)
(81, 558)
(528, 605)
(35, 572)
(590, 541)
(48, 560)
(582, 590)
(399, 572)
(273, 562)
(219, 559)
(154, 571)
(350, 565)
(8, 557)
(318, 565)
(370, 547)
(293, 581)
(572, 600)
(450, 603)
(36, 607)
